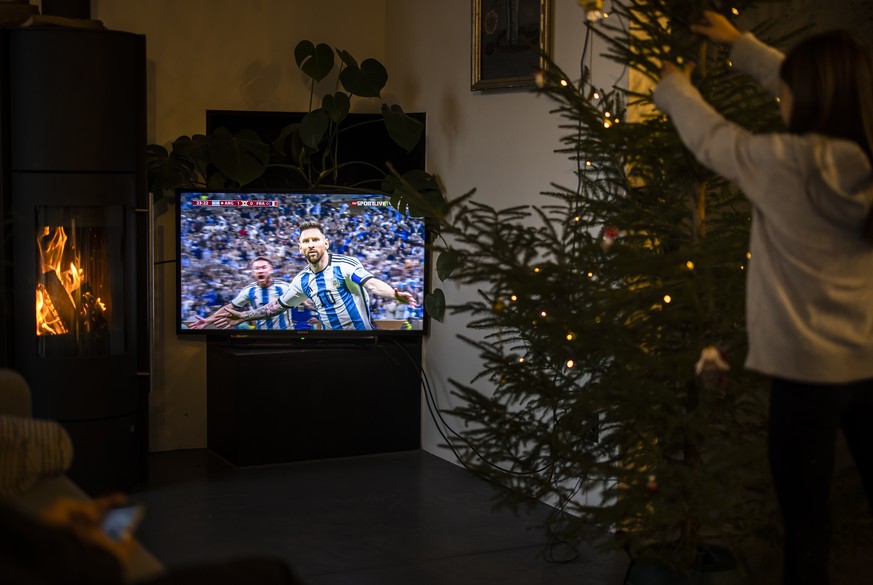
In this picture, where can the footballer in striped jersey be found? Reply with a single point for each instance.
(339, 286)
(264, 290)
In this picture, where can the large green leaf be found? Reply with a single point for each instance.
(313, 127)
(337, 106)
(167, 170)
(347, 59)
(314, 61)
(280, 144)
(195, 148)
(217, 181)
(404, 130)
(240, 157)
(435, 304)
(417, 193)
(447, 262)
(366, 80)
(157, 160)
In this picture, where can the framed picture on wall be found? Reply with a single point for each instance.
(508, 38)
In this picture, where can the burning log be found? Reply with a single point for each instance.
(91, 309)
(58, 308)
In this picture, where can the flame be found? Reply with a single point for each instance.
(51, 252)
(52, 242)
(47, 320)
(73, 278)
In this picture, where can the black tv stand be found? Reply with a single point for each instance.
(272, 401)
(285, 341)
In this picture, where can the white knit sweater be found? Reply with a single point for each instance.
(809, 293)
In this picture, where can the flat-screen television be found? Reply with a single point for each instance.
(298, 264)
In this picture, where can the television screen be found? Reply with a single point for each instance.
(293, 263)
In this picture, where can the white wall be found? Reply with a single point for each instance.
(223, 54)
(227, 54)
(500, 142)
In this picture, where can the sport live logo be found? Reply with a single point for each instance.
(369, 203)
(233, 203)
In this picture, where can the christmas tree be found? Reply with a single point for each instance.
(613, 337)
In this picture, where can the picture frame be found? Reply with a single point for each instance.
(509, 37)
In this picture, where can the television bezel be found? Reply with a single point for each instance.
(290, 336)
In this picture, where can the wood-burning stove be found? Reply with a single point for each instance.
(74, 198)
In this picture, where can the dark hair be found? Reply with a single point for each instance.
(262, 258)
(312, 225)
(831, 78)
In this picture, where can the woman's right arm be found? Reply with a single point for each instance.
(748, 54)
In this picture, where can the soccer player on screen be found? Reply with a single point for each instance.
(256, 294)
(339, 286)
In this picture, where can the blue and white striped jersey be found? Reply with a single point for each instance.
(337, 292)
(255, 296)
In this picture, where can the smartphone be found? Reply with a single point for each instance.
(119, 522)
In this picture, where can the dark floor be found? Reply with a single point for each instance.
(406, 518)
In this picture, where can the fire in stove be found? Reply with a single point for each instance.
(65, 300)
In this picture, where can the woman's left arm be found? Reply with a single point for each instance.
(716, 142)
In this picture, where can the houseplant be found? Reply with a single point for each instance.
(305, 154)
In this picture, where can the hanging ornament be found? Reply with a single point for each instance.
(711, 367)
(593, 9)
(609, 236)
(652, 485)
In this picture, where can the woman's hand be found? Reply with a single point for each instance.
(84, 517)
(716, 27)
(669, 68)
